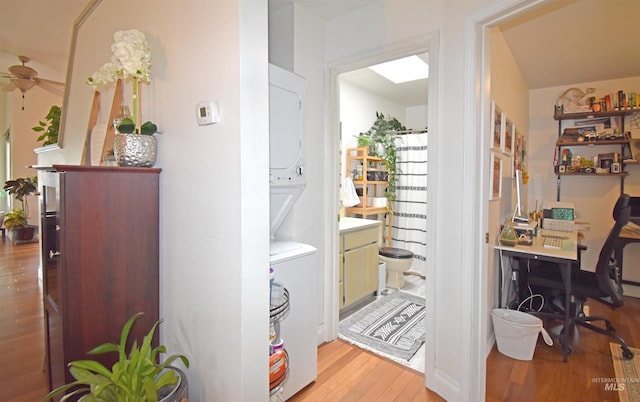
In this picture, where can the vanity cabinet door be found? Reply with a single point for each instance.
(360, 273)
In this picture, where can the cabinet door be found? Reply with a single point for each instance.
(360, 273)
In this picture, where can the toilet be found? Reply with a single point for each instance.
(398, 262)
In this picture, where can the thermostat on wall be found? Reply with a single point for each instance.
(207, 113)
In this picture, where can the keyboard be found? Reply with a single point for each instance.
(552, 242)
(558, 224)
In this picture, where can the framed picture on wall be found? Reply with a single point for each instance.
(518, 151)
(495, 179)
(507, 137)
(496, 126)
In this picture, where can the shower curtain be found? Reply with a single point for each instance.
(410, 207)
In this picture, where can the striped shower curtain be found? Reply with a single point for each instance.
(410, 207)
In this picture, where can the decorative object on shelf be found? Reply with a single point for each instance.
(573, 100)
(50, 126)
(131, 58)
(147, 379)
(16, 221)
(135, 150)
(380, 139)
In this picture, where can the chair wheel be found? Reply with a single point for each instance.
(626, 353)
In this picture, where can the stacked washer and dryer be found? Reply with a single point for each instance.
(295, 264)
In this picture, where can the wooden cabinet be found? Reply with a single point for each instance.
(618, 143)
(358, 275)
(100, 256)
(372, 179)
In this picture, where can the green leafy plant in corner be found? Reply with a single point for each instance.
(380, 139)
(135, 377)
(50, 127)
(20, 188)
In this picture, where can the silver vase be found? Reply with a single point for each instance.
(135, 150)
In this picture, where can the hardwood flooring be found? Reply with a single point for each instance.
(345, 372)
(22, 378)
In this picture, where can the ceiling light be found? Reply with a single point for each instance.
(23, 84)
(403, 70)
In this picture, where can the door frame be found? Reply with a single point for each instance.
(416, 45)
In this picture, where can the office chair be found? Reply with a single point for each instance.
(603, 285)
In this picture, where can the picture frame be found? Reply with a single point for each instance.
(518, 151)
(496, 126)
(507, 136)
(495, 177)
(616, 168)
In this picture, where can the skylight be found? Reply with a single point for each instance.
(403, 70)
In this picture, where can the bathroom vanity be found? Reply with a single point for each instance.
(358, 275)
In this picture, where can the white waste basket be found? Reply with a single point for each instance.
(517, 333)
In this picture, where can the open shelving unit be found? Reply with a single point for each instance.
(370, 188)
(565, 142)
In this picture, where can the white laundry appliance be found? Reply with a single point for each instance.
(286, 153)
(295, 264)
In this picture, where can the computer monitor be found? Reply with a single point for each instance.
(518, 214)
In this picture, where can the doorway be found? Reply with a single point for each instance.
(337, 140)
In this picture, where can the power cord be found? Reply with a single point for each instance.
(532, 295)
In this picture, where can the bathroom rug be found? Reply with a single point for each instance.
(393, 325)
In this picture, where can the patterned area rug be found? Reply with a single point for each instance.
(627, 380)
(393, 325)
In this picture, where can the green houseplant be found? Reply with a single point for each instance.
(137, 376)
(16, 221)
(381, 142)
(49, 128)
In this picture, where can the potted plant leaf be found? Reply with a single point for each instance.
(16, 221)
(137, 376)
(49, 128)
(381, 142)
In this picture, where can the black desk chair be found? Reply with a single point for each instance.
(603, 285)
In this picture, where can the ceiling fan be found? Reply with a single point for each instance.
(23, 77)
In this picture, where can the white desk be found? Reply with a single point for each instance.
(564, 257)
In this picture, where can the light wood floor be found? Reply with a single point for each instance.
(345, 373)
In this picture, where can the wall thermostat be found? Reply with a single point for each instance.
(207, 113)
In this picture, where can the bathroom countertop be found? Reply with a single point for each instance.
(350, 224)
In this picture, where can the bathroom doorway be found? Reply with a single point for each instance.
(362, 94)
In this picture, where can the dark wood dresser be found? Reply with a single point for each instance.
(100, 250)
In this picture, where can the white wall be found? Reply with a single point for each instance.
(593, 197)
(510, 92)
(37, 102)
(214, 182)
(358, 109)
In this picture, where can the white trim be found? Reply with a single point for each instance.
(416, 45)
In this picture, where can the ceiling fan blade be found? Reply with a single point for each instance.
(50, 82)
(54, 89)
(8, 87)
